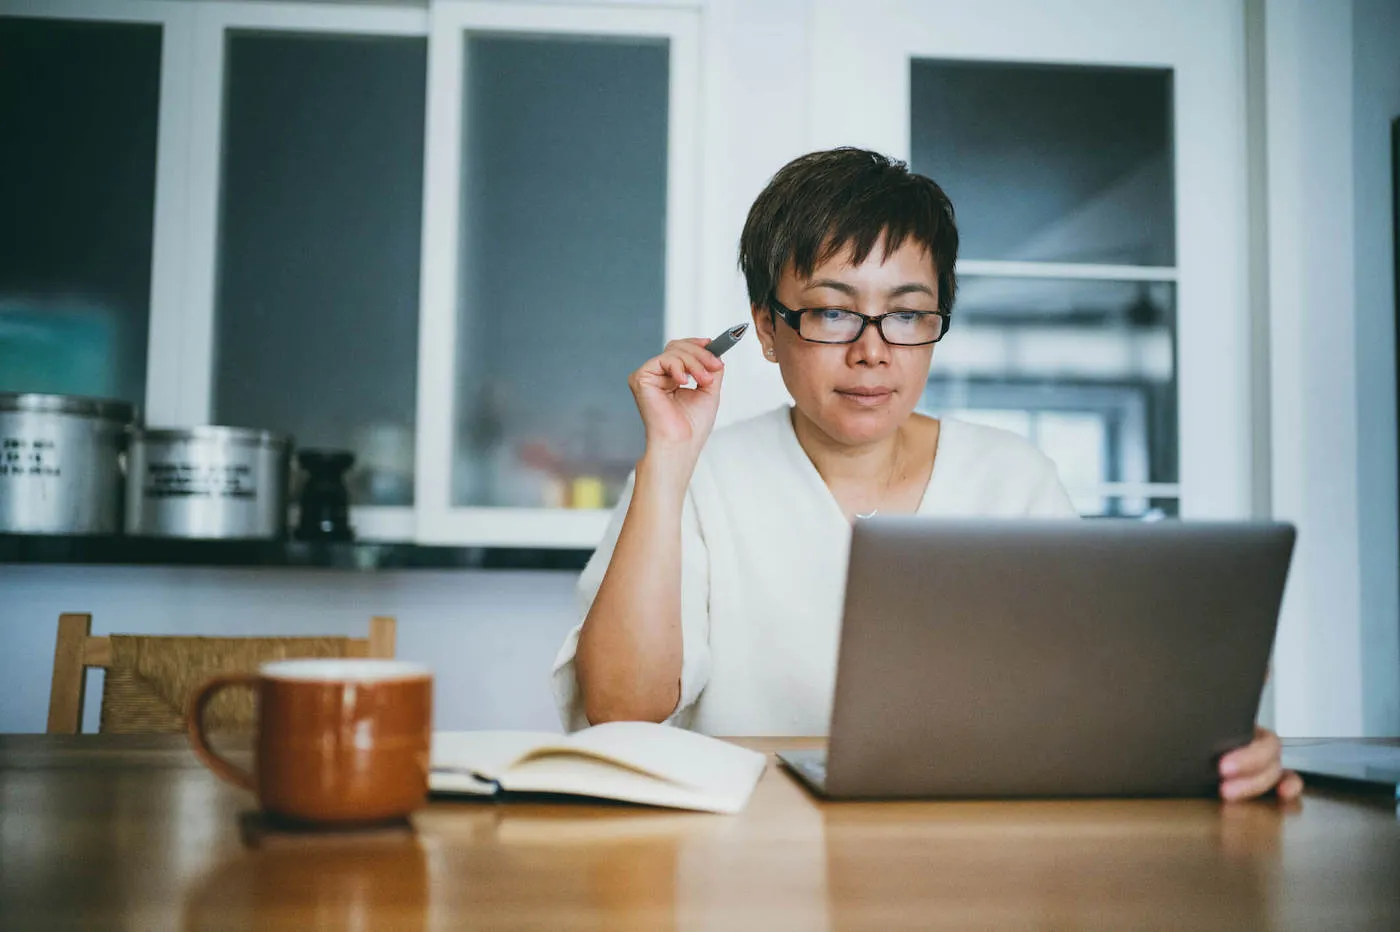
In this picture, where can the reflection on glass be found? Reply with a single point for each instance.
(79, 103)
(563, 254)
(319, 232)
(1049, 163)
(1083, 369)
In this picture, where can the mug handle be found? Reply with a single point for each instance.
(194, 727)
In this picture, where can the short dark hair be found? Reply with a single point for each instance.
(818, 204)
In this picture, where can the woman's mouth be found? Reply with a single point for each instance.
(866, 397)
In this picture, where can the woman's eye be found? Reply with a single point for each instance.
(907, 317)
(831, 314)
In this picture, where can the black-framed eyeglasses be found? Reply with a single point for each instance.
(838, 325)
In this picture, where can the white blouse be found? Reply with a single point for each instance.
(763, 568)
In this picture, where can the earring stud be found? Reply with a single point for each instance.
(771, 353)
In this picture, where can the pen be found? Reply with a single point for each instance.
(722, 343)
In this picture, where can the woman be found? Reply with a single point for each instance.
(714, 599)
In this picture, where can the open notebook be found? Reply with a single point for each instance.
(637, 762)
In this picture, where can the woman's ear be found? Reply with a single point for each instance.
(763, 328)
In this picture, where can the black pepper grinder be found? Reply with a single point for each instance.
(325, 500)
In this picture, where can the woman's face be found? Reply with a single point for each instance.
(856, 393)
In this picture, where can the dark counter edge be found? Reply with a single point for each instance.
(355, 555)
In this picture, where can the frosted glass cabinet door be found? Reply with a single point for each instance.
(320, 224)
(560, 243)
(562, 265)
(79, 104)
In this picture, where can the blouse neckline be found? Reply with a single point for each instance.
(808, 469)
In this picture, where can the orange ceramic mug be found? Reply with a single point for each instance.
(338, 740)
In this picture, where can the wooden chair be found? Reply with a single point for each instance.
(149, 679)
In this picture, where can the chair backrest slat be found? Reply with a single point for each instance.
(97, 652)
(76, 650)
(69, 674)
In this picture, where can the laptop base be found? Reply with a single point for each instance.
(809, 767)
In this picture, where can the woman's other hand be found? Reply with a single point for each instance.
(677, 417)
(1257, 768)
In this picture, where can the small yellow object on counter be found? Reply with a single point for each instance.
(587, 492)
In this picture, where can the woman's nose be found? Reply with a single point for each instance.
(870, 349)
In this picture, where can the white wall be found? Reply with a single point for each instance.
(1330, 76)
(1375, 103)
(490, 637)
(754, 87)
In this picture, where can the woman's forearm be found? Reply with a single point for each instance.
(629, 653)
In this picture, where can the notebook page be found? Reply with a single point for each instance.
(459, 782)
(484, 754)
(589, 776)
(682, 757)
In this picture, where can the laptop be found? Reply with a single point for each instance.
(1356, 766)
(1035, 658)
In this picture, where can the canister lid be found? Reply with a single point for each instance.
(246, 436)
(105, 408)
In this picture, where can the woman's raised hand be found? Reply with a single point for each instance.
(677, 418)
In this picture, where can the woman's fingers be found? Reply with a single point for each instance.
(695, 347)
(1256, 768)
(1290, 787)
(682, 363)
(1248, 786)
(691, 372)
(711, 384)
(683, 360)
(1253, 757)
(674, 366)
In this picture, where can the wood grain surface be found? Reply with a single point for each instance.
(108, 832)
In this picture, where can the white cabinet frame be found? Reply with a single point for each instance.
(438, 520)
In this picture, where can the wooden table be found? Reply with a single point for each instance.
(107, 832)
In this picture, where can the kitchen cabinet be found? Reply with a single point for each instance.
(319, 224)
(441, 234)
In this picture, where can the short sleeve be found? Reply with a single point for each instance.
(1048, 497)
(695, 615)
